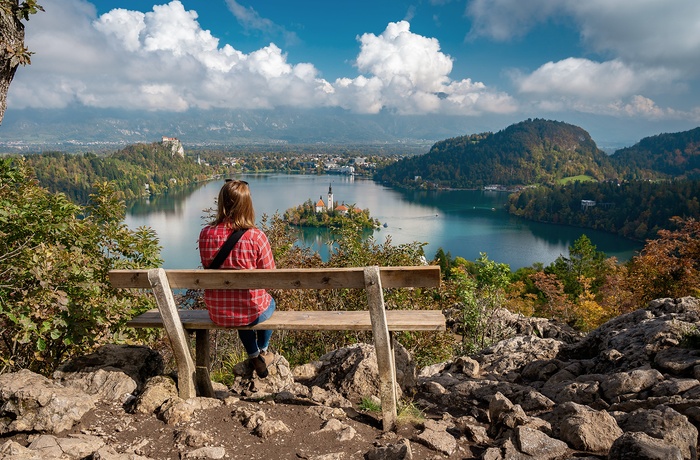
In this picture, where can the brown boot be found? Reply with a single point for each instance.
(261, 362)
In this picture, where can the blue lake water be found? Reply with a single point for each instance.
(463, 222)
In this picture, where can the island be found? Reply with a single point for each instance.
(329, 213)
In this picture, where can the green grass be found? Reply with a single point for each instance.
(579, 178)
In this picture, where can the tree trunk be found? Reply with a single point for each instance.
(11, 41)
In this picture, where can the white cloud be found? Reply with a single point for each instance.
(650, 32)
(164, 60)
(589, 79)
(410, 74)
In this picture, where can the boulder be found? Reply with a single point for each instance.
(584, 428)
(641, 446)
(138, 362)
(666, 424)
(353, 371)
(31, 402)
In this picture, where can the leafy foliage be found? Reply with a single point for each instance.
(130, 170)
(55, 299)
(671, 154)
(636, 209)
(533, 151)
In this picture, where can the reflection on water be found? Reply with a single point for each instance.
(463, 222)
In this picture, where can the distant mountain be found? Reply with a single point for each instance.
(532, 151)
(671, 154)
(217, 127)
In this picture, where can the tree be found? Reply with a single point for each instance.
(12, 49)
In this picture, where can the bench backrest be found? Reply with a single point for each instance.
(296, 278)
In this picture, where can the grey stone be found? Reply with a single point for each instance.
(666, 424)
(635, 381)
(31, 402)
(641, 446)
(213, 453)
(538, 445)
(396, 451)
(156, 392)
(269, 428)
(584, 428)
(138, 362)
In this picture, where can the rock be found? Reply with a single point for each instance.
(330, 398)
(343, 432)
(176, 410)
(31, 402)
(79, 446)
(106, 384)
(307, 372)
(107, 453)
(666, 424)
(632, 382)
(584, 428)
(353, 371)
(156, 392)
(538, 445)
(397, 451)
(673, 386)
(512, 355)
(436, 437)
(138, 362)
(189, 437)
(213, 453)
(269, 428)
(679, 361)
(11, 450)
(641, 446)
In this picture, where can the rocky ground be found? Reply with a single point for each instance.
(628, 390)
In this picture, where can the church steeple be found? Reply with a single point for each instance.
(330, 197)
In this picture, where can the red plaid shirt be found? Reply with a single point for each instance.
(236, 307)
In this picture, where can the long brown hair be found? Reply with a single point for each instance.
(235, 206)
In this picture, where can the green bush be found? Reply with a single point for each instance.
(55, 299)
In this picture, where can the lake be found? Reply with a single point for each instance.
(463, 222)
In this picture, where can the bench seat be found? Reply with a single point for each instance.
(397, 320)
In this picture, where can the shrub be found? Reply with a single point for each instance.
(55, 299)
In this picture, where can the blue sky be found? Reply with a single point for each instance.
(632, 65)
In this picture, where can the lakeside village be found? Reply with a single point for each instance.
(329, 214)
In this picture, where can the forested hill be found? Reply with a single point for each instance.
(670, 154)
(131, 169)
(529, 152)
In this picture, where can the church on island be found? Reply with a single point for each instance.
(329, 205)
(329, 213)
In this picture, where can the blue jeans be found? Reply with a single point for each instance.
(256, 341)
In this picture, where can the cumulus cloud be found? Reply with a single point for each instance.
(589, 79)
(164, 60)
(646, 48)
(409, 73)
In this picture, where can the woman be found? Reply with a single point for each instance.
(239, 307)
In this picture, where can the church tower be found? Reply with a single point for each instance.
(330, 198)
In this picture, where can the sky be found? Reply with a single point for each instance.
(621, 62)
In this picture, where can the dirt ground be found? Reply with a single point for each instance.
(221, 427)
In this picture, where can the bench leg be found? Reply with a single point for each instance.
(382, 346)
(203, 363)
(175, 332)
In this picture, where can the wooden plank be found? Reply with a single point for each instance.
(203, 363)
(175, 332)
(297, 278)
(382, 347)
(397, 320)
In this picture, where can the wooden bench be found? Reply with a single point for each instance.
(195, 375)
